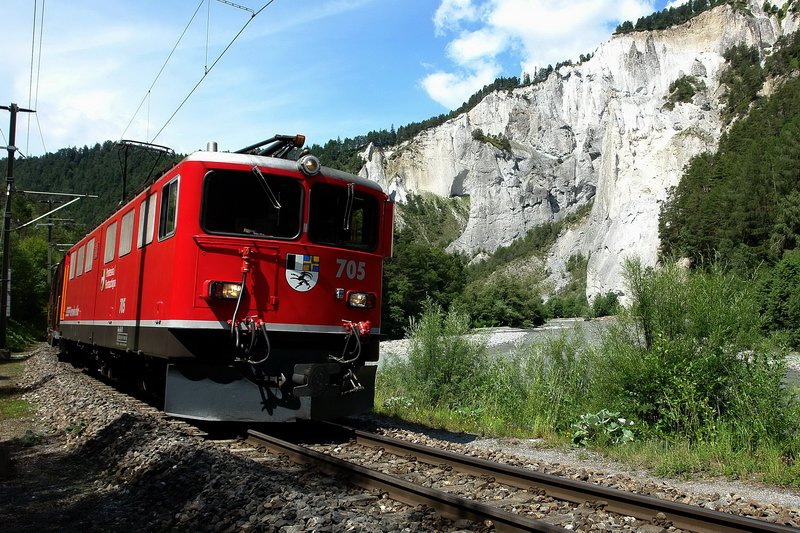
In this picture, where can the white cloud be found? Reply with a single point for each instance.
(535, 33)
(451, 90)
(451, 13)
(476, 46)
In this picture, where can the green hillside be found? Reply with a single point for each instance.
(97, 170)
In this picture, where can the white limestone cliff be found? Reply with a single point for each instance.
(594, 132)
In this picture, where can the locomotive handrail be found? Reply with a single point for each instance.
(225, 243)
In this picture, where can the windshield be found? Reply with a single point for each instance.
(237, 202)
(343, 216)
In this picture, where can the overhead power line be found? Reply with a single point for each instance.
(30, 78)
(33, 81)
(203, 77)
(38, 79)
(161, 70)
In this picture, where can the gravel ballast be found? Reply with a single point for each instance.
(107, 463)
(97, 460)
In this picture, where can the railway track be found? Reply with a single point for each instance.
(647, 508)
(449, 505)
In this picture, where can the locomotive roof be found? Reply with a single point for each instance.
(275, 162)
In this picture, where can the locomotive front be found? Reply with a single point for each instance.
(286, 270)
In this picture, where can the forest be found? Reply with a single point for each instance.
(673, 16)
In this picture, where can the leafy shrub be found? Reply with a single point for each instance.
(690, 359)
(571, 300)
(536, 388)
(603, 427)
(444, 366)
(683, 90)
(504, 301)
(605, 305)
(416, 273)
(500, 142)
(31, 438)
(76, 428)
(566, 306)
(557, 374)
(19, 337)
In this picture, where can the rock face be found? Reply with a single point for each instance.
(598, 132)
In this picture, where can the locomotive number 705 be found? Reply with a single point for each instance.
(351, 269)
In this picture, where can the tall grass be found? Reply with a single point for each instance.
(449, 375)
(686, 362)
(445, 368)
(19, 337)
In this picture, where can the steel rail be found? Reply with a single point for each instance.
(449, 505)
(683, 516)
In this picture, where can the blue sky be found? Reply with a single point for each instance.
(325, 68)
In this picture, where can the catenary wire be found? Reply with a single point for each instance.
(38, 79)
(30, 77)
(147, 94)
(210, 68)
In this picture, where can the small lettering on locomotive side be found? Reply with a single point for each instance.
(122, 337)
(107, 280)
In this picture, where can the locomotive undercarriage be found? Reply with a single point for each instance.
(298, 376)
(289, 376)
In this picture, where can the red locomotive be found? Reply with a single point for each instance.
(244, 286)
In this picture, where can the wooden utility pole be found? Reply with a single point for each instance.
(4, 274)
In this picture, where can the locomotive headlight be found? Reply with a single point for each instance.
(224, 290)
(309, 165)
(361, 300)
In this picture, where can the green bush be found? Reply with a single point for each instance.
(687, 362)
(689, 359)
(566, 306)
(683, 90)
(538, 388)
(444, 367)
(19, 337)
(557, 373)
(418, 272)
(499, 141)
(504, 300)
(605, 305)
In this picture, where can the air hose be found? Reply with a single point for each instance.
(234, 329)
(352, 356)
(248, 322)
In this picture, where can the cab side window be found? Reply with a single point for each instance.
(89, 255)
(110, 243)
(126, 233)
(147, 221)
(169, 210)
